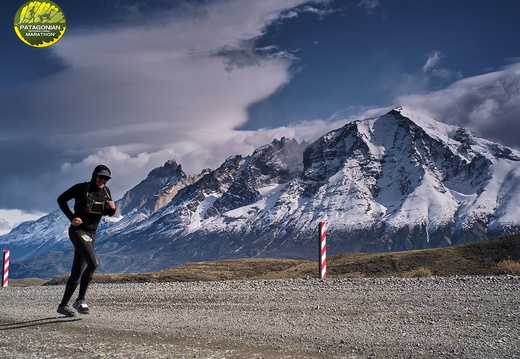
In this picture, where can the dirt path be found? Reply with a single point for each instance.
(468, 317)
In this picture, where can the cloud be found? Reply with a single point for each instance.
(488, 104)
(321, 12)
(432, 68)
(369, 5)
(318, 11)
(11, 218)
(175, 84)
(133, 96)
(432, 61)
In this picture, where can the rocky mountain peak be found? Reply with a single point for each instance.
(170, 170)
(395, 182)
(161, 184)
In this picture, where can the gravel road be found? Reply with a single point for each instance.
(446, 317)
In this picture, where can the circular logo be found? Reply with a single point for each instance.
(40, 23)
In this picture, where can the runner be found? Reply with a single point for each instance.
(92, 201)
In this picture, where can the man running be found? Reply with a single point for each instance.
(92, 201)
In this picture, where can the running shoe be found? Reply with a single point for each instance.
(81, 306)
(66, 310)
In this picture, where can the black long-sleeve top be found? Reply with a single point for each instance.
(78, 192)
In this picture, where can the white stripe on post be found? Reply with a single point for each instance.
(5, 275)
(322, 230)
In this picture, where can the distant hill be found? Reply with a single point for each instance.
(476, 258)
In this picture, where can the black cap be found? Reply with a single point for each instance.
(101, 170)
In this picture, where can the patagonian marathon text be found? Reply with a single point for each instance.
(40, 27)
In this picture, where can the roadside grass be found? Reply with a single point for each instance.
(508, 266)
(419, 272)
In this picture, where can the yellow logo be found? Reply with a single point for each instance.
(40, 23)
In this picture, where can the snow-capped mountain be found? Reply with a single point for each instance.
(394, 182)
(50, 233)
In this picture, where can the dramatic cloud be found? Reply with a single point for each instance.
(488, 104)
(133, 97)
(144, 83)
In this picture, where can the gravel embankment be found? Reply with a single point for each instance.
(446, 317)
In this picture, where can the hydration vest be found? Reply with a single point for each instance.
(87, 205)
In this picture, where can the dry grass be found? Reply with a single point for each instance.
(419, 272)
(508, 266)
(477, 258)
(26, 282)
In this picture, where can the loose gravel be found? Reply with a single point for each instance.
(433, 317)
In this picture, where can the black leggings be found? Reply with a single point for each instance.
(84, 264)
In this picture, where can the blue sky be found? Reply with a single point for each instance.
(134, 83)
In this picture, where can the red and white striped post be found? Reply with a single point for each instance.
(322, 262)
(5, 275)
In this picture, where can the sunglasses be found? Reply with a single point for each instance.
(106, 178)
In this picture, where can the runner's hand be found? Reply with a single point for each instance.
(111, 204)
(76, 221)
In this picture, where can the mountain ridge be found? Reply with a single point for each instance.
(395, 182)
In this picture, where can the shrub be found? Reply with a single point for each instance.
(508, 266)
(419, 272)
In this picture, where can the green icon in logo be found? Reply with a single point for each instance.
(40, 23)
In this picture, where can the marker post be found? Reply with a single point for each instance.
(322, 262)
(5, 273)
